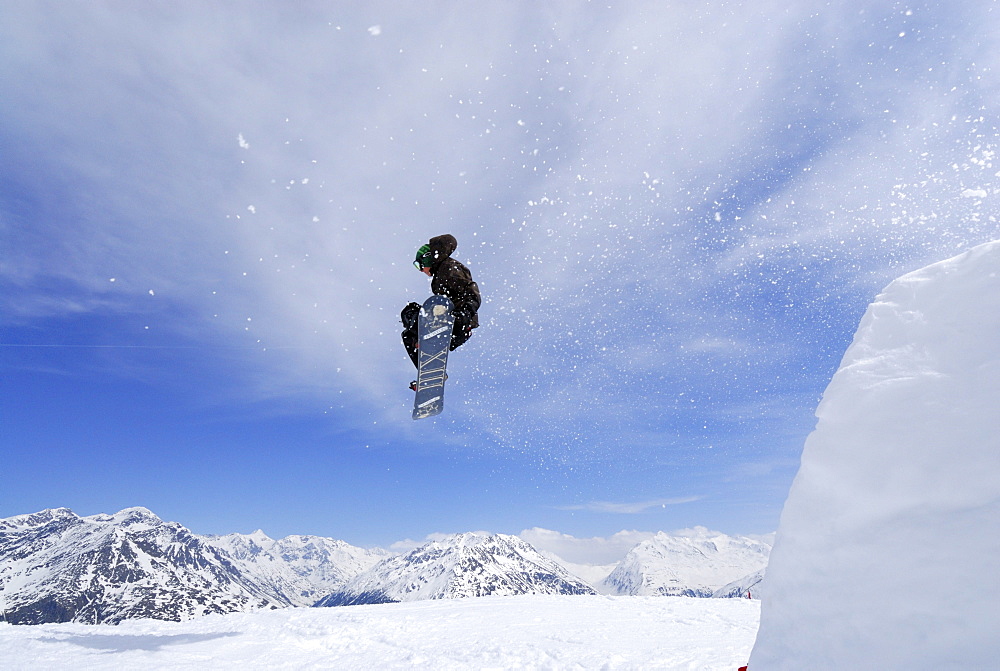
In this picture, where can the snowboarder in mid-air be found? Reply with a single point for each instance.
(453, 281)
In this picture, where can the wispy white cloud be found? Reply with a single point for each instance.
(596, 550)
(635, 188)
(629, 508)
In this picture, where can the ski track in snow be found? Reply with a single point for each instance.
(536, 632)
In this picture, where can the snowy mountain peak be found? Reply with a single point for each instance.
(694, 562)
(258, 537)
(39, 519)
(128, 517)
(56, 566)
(469, 538)
(752, 586)
(462, 565)
(242, 546)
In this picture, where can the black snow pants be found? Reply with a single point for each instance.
(409, 316)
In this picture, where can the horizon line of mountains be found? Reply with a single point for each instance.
(56, 566)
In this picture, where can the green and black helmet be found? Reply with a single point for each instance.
(424, 259)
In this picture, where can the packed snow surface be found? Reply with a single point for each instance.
(888, 551)
(536, 632)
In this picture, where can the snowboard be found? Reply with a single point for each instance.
(434, 327)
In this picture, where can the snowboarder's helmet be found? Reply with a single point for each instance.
(424, 259)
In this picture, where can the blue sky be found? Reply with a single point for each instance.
(677, 213)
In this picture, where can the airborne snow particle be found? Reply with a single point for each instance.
(375, 31)
(243, 143)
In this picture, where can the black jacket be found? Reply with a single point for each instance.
(452, 279)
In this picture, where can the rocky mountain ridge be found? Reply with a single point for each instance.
(56, 566)
(462, 565)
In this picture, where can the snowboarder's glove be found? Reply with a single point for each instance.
(463, 318)
(409, 315)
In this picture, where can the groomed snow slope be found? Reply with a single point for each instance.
(535, 632)
(888, 551)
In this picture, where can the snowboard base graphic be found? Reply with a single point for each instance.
(434, 328)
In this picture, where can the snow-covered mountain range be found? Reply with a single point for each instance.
(302, 568)
(694, 564)
(56, 566)
(462, 565)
